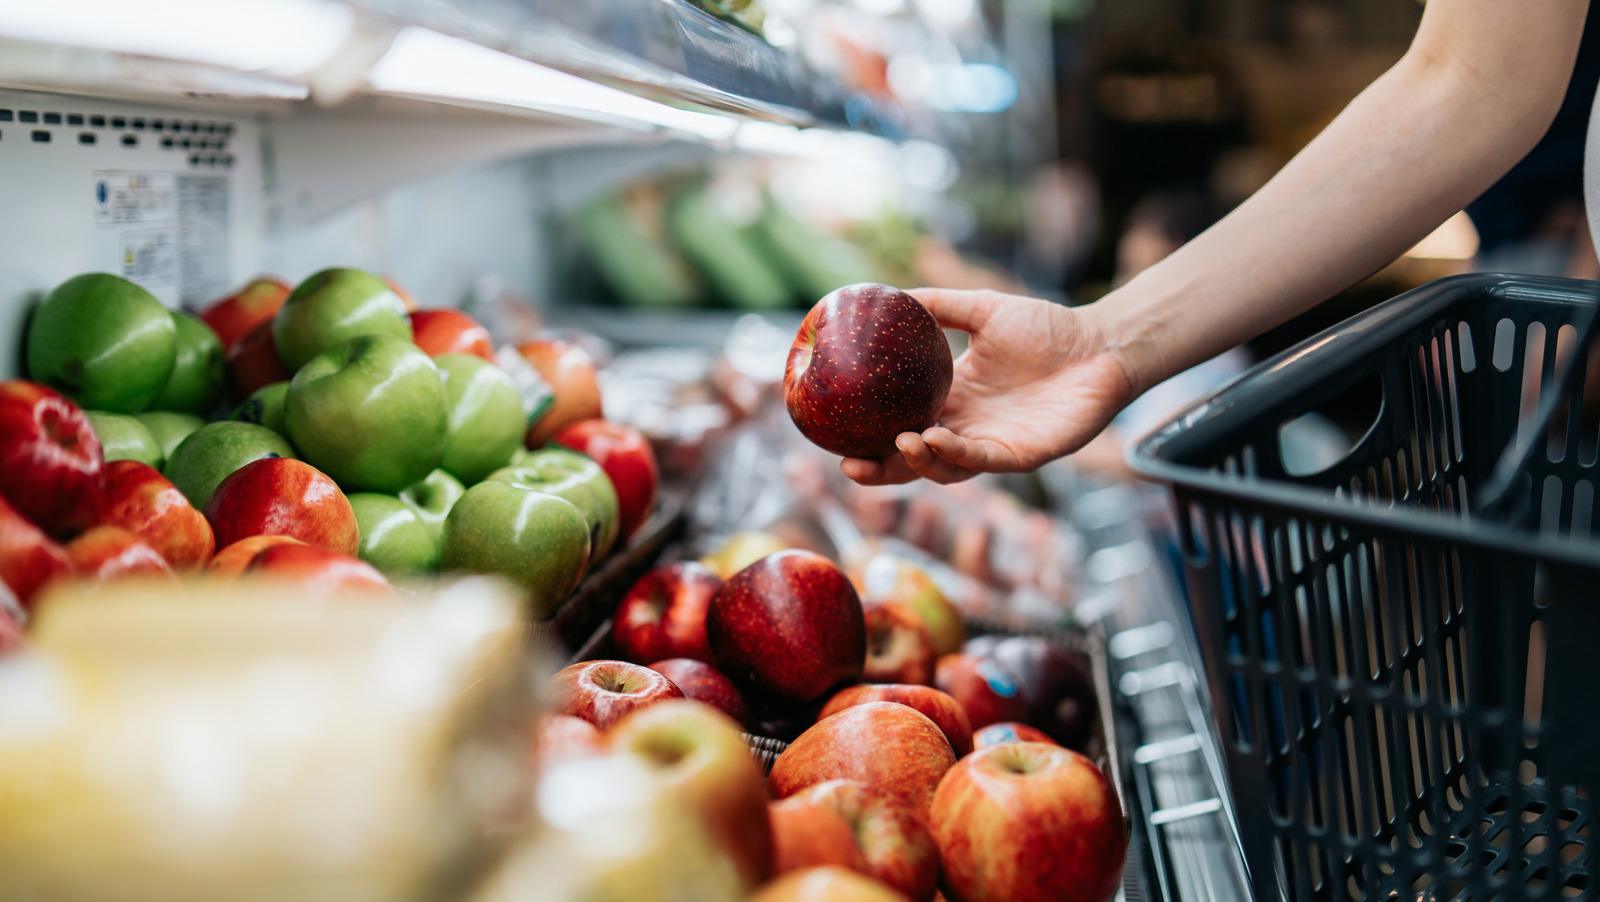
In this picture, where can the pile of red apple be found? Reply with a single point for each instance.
(331, 433)
(939, 772)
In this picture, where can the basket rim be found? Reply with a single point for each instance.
(1314, 359)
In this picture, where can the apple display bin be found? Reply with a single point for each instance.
(1403, 649)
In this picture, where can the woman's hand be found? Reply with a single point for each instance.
(1037, 381)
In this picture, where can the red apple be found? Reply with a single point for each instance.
(894, 749)
(570, 372)
(602, 691)
(704, 765)
(232, 560)
(253, 360)
(446, 330)
(29, 559)
(790, 623)
(946, 713)
(109, 552)
(869, 363)
(139, 499)
(828, 883)
(562, 737)
(896, 847)
(985, 688)
(1055, 685)
(624, 453)
(321, 571)
(250, 306)
(10, 633)
(805, 834)
(899, 649)
(664, 614)
(50, 458)
(1008, 731)
(703, 683)
(284, 497)
(1029, 821)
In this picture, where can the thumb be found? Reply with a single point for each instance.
(953, 308)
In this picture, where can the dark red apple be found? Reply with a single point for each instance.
(1029, 822)
(1055, 685)
(232, 560)
(664, 614)
(895, 846)
(29, 559)
(253, 361)
(790, 623)
(601, 692)
(50, 458)
(281, 496)
(894, 749)
(250, 306)
(624, 453)
(139, 499)
(944, 711)
(1008, 731)
(869, 363)
(987, 691)
(321, 571)
(561, 737)
(899, 648)
(446, 330)
(109, 552)
(703, 683)
(778, 716)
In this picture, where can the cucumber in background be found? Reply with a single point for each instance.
(639, 268)
(813, 263)
(724, 253)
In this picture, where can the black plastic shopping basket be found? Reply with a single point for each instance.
(1403, 648)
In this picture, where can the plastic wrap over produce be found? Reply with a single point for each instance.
(252, 743)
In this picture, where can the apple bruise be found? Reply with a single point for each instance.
(869, 363)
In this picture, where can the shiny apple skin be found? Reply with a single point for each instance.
(320, 571)
(1029, 822)
(602, 692)
(29, 559)
(985, 688)
(110, 552)
(945, 712)
(238, 313)
(50, 458)
(231, 560)
(561, 737)
(1055, 684)
(628, 460)
(899, 647)
(791, 624)
(664, 614)
(826, 883)
(253, 361)
(445, 330)
(805, 835)
(1008, 731)
(139, 499)
(893, 749)
(869, 363)
(286, 497)
(571, 373)
(896, 847)
(703, 683)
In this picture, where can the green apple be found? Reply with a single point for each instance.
(538, 541)
(265, 408)
(370, 413)
(169, 428)
(124, 438)
(394, 537)
(102, 340)
(486, 418)
(433, 498)
(215, 450)
(576, 478)
(197, 369)
(332, 307)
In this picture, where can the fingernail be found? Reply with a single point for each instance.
(906, 442)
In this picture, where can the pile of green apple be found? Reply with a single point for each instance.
(414, 450)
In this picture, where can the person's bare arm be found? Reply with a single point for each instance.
(1477, 89)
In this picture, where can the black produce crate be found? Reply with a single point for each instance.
(1402, 647)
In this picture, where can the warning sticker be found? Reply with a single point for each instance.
(149, 255)
(123, 198)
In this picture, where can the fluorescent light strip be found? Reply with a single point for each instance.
(425, 63)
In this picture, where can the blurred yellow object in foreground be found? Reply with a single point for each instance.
(248, 743)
